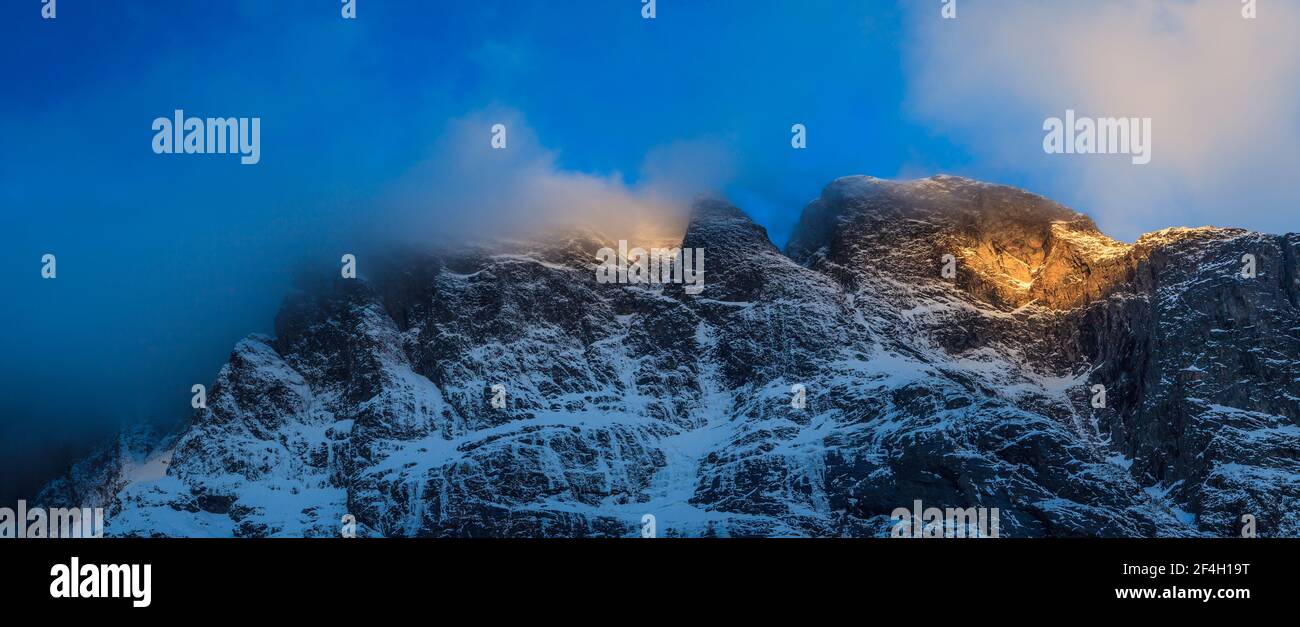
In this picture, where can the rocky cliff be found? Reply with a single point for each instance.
(500, 390)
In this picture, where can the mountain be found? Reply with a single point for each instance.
(375, 398)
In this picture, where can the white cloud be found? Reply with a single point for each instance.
(467, 188)
(1223, 93)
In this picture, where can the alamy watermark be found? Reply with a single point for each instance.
(209, 136)
(656, 265)
(933, 522)
(75, 580)
(59, 522)
(1087, 136)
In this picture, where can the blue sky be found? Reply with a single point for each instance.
(165, 260)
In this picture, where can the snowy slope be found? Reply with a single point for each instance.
(374, 398)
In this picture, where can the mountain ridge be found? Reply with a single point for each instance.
(374, 398)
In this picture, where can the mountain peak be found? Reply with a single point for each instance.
(1010, 247)
(505, 391)
(718, 224)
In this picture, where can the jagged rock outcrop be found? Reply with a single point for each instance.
(137, 453)
(1168, 325)
(502, 391)
(1206, 364)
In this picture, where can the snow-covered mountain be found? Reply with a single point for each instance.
(375, 397)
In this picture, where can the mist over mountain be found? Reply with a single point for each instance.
(497, 389)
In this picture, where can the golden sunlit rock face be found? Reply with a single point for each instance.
(1059, 265)
(1012, 248)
